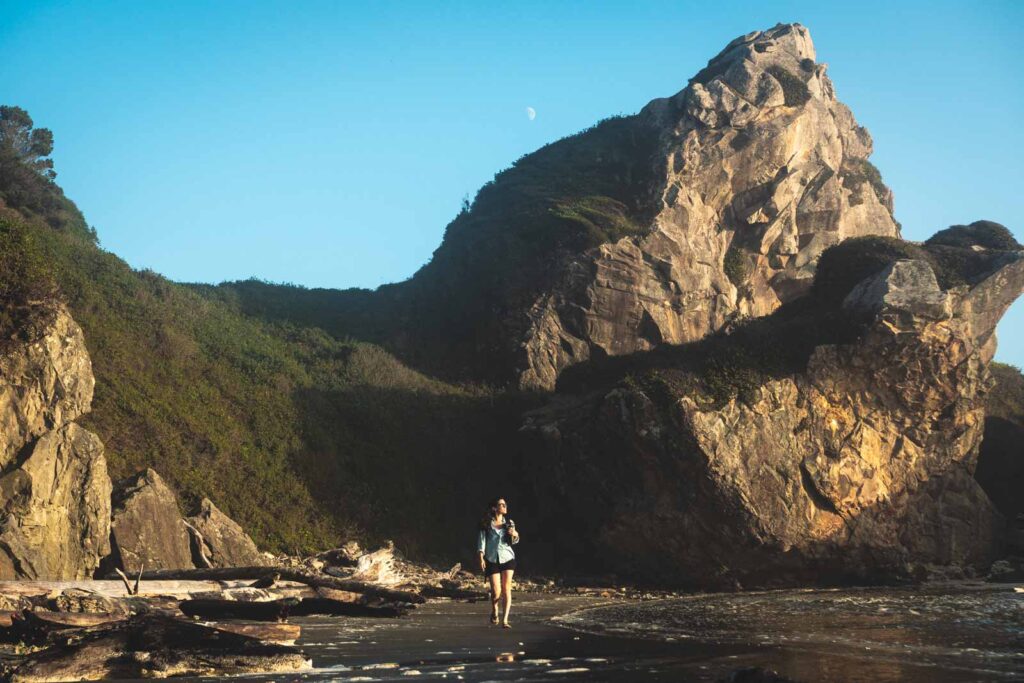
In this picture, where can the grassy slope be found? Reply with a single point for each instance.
(304, 439)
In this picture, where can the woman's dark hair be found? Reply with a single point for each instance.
(492, 511)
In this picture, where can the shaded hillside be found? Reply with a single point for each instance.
(456, 315)
(659, 228)
(304, 439)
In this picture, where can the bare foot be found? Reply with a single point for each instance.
(505, 624)
(494, 619)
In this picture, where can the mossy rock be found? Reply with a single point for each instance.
(794, 90)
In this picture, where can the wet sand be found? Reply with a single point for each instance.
(454, 641)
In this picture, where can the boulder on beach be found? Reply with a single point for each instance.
(147, 529)
(224, 543)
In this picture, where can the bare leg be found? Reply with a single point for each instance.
(495, 580)
(506, 591)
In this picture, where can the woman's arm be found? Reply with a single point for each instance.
(481, 544)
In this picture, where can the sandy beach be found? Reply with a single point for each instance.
(453, 640)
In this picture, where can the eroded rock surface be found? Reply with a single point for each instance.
(860, 467)
(763, 168)
(147, 528)
(56, 504)
(225, 544)
(54, 486)
(43, 384)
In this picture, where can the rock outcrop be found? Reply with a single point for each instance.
(224, 543)
(43, 384)
(859, 467)
(763, 169)
(147, 529)
(54, 487)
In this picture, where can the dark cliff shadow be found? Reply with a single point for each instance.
(1000, 468)
(415, 467)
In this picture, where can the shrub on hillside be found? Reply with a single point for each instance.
(24, 279)
(844, 265)
(986, 234)
(856, 172)
(794, 90)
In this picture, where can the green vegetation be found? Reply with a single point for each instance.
(856, 172)
(304, 438)
(794, 90)
(24, 279)
(736, 265)
(844, 265)
(602, 218)
(986, 234)
(26, 174)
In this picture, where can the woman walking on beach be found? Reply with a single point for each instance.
(497, 559)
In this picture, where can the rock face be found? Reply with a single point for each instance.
(147, 528)
(660, 228)
(43, 384)
(225, 544)
(54, 486)
(857, 468)
(762, 169)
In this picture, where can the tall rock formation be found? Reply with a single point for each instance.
(857, 467)
(659, 228)
(761, 169)
(54, 487)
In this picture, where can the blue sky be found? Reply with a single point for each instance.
(328, 144)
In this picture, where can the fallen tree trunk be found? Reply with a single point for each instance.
(273, 610)
(287, 574)
(277, 634)
(153, 646)
(41, 627)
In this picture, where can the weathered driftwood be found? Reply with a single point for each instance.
(326, 606)
(288, 574)
(279, 634)
(42, 627)
(114, 588)
(155, 646)
(273, 610)
(196, 543)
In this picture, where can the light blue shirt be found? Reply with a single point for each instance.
(493, 544)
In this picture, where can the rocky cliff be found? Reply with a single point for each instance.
(659, 228)
(761, 168)
(858, 466)
(54, 487)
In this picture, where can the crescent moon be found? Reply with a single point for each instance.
(531, 113)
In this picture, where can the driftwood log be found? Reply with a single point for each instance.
(269, 610)
(278, 634)
(286, 574)
(42, 627)
(155, 646)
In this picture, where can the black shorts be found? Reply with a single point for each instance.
(494, 567)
